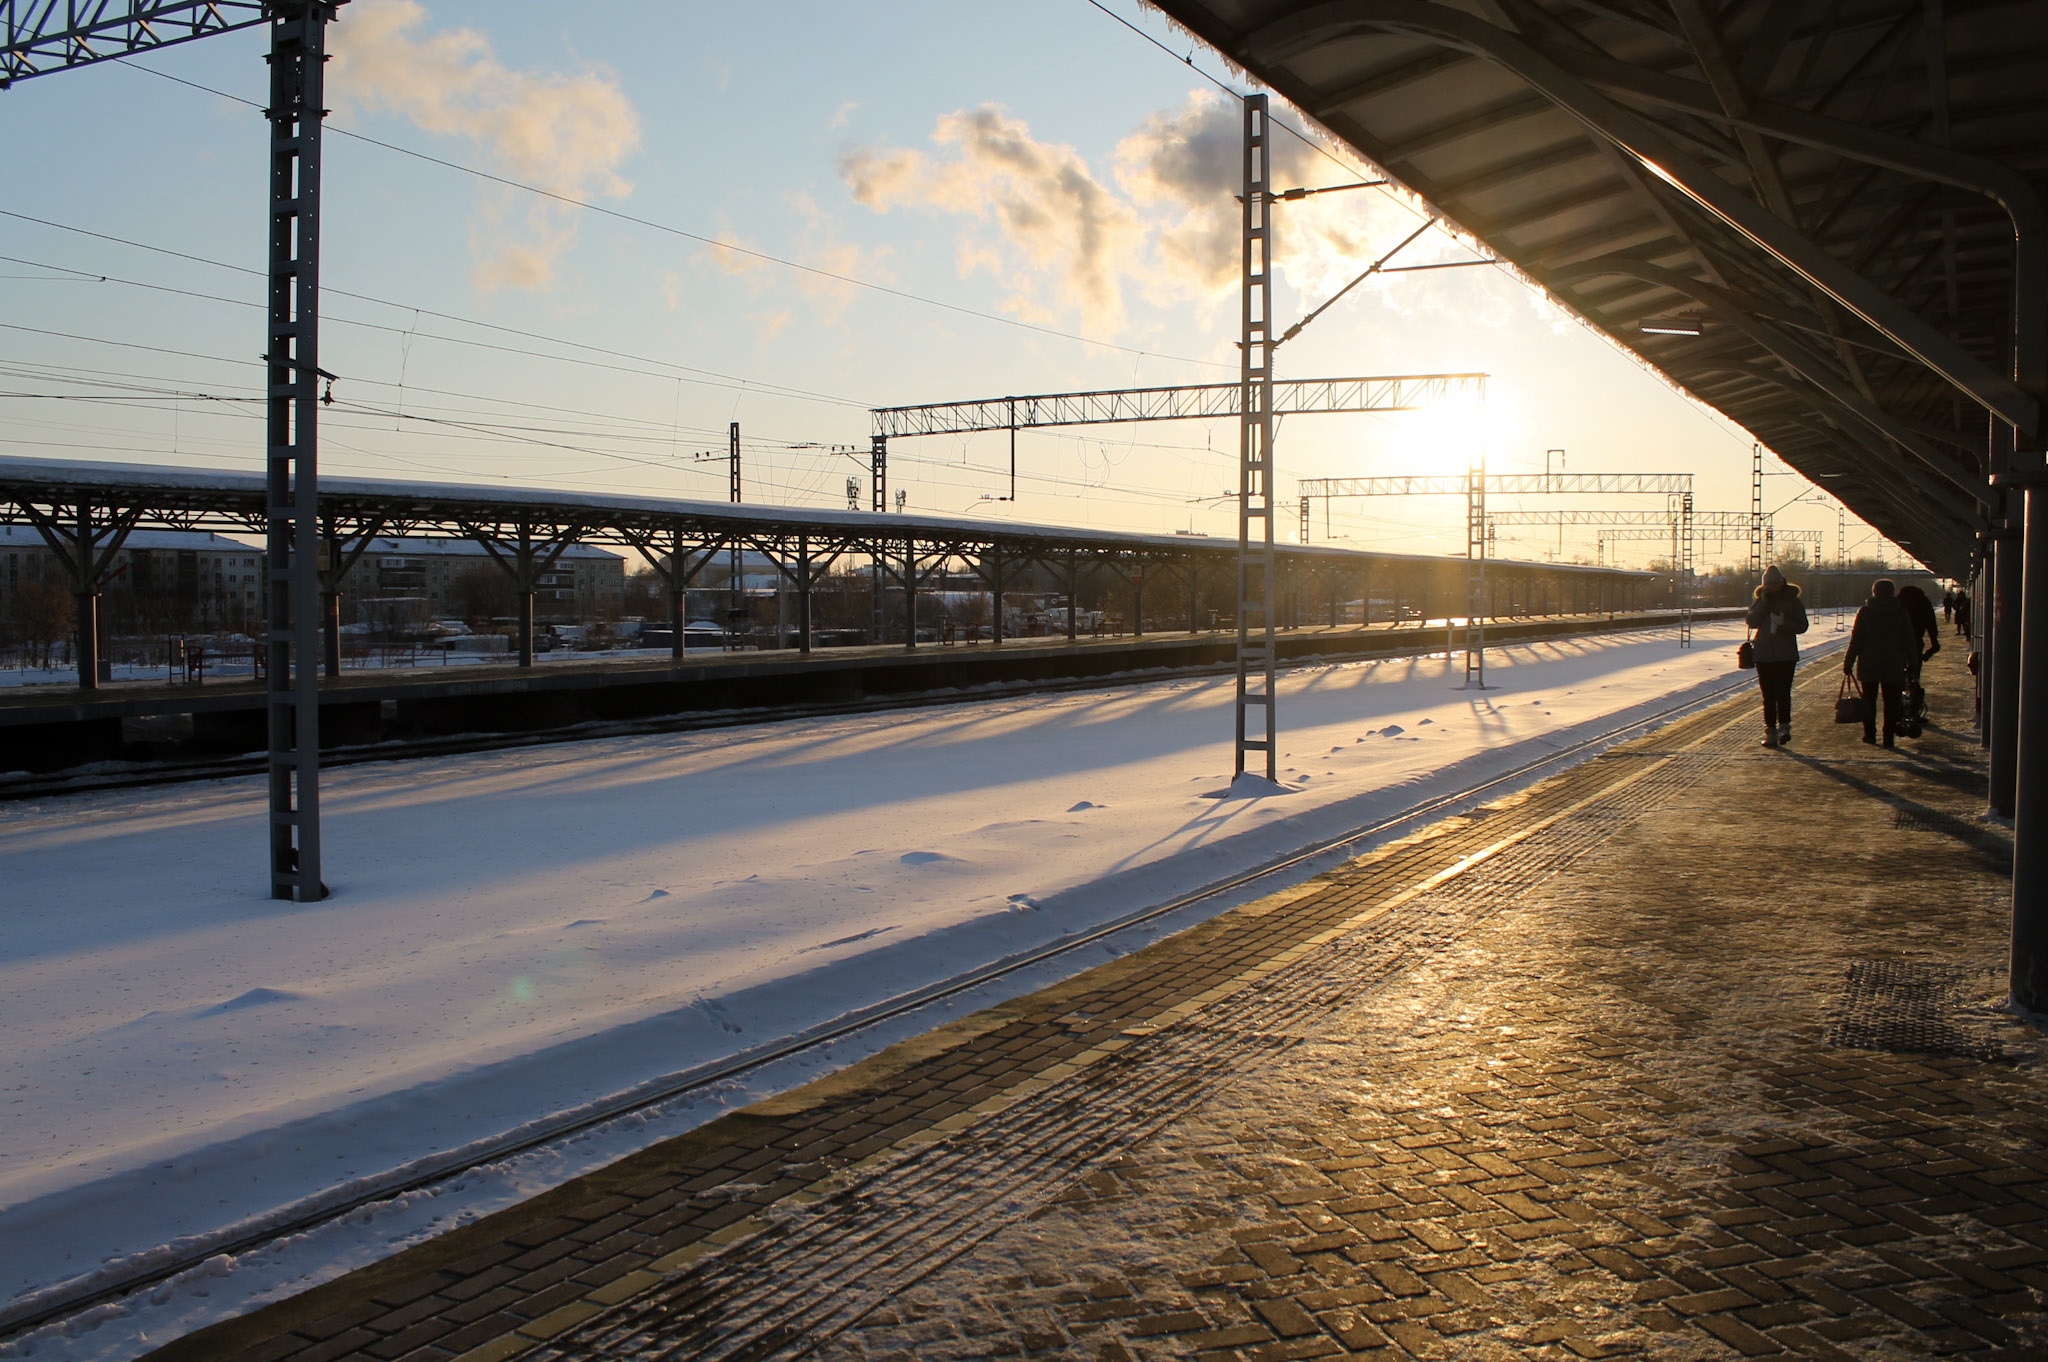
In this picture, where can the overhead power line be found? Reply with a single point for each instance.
(1227, 88)
(710, 377)
(765, 257)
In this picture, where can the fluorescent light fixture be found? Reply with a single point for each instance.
(1670, 328)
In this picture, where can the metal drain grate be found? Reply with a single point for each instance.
(1930, 820)
(1905, 1007)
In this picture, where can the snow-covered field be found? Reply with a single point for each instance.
(518, 933)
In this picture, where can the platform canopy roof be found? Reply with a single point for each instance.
(153, 496)
(1842, 198)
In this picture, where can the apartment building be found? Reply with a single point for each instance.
(198, 578)
(458, 577)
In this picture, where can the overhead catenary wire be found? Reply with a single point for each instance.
(447, 427)
(524, 434)
(710, 377)
(765, 257)
(1227, 88)
(157, 398)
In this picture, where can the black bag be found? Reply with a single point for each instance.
(1851, 707)
(1915, 721)
(1745, 656)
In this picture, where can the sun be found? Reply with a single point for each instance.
(1446, 439)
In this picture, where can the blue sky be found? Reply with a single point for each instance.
(1036, 162)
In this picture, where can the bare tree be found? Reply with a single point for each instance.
(481, 593)
(44, 613)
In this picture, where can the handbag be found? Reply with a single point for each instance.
(1851, 707)
(1745, 656)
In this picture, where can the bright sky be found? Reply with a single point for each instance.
(1041, 197)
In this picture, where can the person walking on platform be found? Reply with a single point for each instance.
(1920, 611)
(1948, 604)
(1963, 616)
(1880, 643)
(1778, 614)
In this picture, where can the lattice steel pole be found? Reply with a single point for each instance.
(1756, 511)
(878, 478)
(1255, 557)
(1476, 529)
(735, 586)
(298, 54)
(1685, 569)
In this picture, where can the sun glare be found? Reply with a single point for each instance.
(1445, 440)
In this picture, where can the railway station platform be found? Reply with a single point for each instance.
(1697, 1050)
(53, 728)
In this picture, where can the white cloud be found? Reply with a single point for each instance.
(1059, 237)
(1054, 224)
(567, 133)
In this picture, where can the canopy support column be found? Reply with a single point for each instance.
(2030, 802)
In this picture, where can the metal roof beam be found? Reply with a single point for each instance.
(2010, 189)
(1641, 139)
(1734, 312)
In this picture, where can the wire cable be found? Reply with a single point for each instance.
(710, 377)
(652, 225)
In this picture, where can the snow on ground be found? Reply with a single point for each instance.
(523, 932)
(66, 675)
(240, 667)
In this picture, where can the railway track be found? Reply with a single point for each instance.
(140, 775)
(58, 1303)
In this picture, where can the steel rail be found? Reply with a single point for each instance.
(313, 1212)
(1402, 641)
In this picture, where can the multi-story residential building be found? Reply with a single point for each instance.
(458, 577)
(159, 578)
(163, 579)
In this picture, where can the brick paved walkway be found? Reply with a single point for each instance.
(1692, 1052)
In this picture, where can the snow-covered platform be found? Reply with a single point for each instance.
(523, 934)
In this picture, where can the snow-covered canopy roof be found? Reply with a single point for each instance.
(195, 497)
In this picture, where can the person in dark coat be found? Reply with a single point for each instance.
(1778, 614)
(1880, 643)
(1920, 611)
(1948, 604)
(1963, 615)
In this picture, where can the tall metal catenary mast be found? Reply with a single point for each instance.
(45, 38)
(1255, 558)
(1756, 511)
(298, 57)
(1685, 567)
(1475, 571)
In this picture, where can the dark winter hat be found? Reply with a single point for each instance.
(1774, 576)
(1884, 588)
